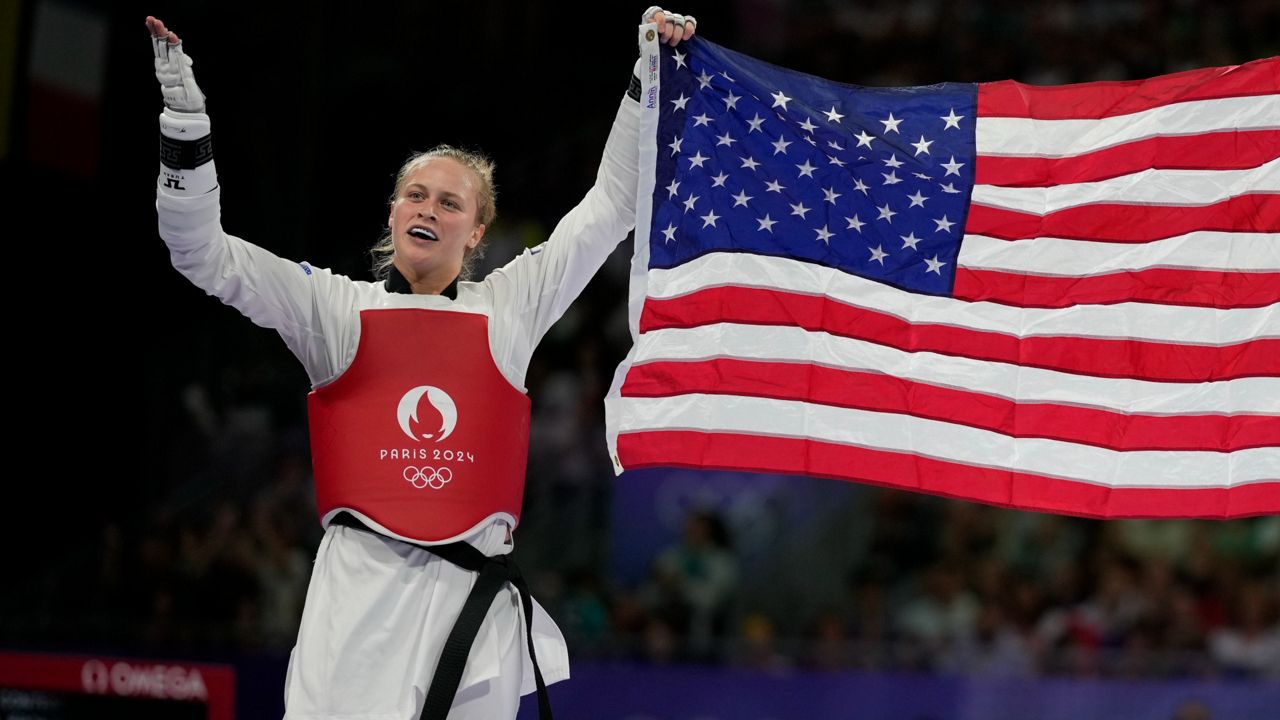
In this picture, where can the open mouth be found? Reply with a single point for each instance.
(423, 234)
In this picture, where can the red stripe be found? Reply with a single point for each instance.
(1101, 357)
(1108, 99)
(685, 448)
(1129, 223)
(878, 392)
(1231, 150)
(1164, 286)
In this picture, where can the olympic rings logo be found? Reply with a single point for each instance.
(427, 476)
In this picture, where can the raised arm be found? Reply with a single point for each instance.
(308, 306)
(537, 287)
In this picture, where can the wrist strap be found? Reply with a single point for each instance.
(186, 154)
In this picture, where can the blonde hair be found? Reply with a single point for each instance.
(384, 251)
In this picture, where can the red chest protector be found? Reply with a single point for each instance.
(422, 434)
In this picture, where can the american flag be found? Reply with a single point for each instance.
(1053, 298)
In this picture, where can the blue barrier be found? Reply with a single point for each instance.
(631, 692)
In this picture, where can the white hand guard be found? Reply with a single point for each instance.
(177, 83)
(673, 18)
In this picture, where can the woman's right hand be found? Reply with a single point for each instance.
(173, 70)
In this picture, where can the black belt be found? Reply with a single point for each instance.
(494, 573)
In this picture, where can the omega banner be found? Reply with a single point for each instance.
(66, 687)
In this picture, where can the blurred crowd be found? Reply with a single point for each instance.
(958, 588)
(219, 562)
(918, 42)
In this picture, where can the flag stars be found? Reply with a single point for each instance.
(679, 58)
(794, 201)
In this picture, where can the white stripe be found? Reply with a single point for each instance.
(1181, 188)
(1243, 396)
(947, 441)
(1064, 138)
(1201, 250)
(1143, 321)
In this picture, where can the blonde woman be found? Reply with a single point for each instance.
(413, 609)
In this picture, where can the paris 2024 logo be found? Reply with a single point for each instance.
(437, 474)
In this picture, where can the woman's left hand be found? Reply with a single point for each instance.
(672, 27)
